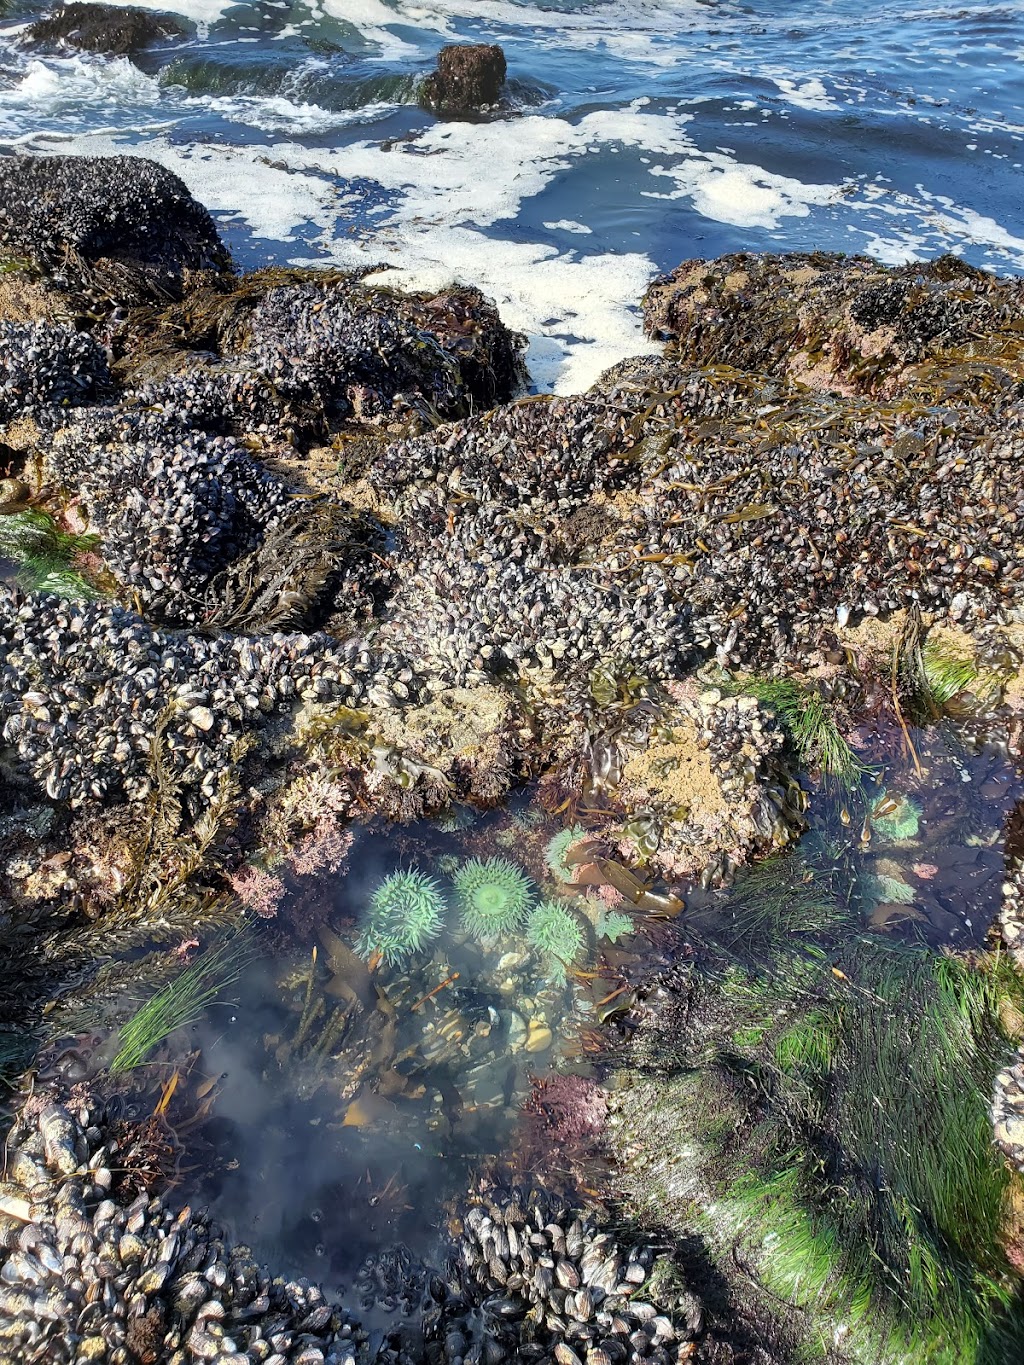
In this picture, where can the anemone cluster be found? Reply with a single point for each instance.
(405, 913)
(493, 896)
(45, 365)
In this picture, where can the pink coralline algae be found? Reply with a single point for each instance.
(258, 889)
(324, 849)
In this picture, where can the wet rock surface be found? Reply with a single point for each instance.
(114, 29)
(468, 79)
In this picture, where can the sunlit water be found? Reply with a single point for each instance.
(644, 133)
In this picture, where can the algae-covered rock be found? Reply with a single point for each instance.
(708, 788)
(115, 29)
(468, 79)
(846, 324)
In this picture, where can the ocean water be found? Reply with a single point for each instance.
(644, 132)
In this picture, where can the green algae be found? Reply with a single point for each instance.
(47, 559)
(818, 1097)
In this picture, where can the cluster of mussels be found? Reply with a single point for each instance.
(47, 365)
(357, 361)
(675, 511)
(44, 365)
(87, 688)
(175, 508)
(538, 1280)
(64, 213)
(501, 519)
(844, 323)
(90, 1271)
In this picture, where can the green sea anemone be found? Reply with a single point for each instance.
(492, 896)
(613, 925)
(455, 819)
(557, 936)
(406, 911)
(899, 823)
(891, 890)
(558, 847)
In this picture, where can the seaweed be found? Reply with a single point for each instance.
(47, 559)
(183, 1000)
(833, 1088)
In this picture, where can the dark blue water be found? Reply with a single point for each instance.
(645, 133)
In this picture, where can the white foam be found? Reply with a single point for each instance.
(811, 94)
(727, 191)
(279, 114)
(568, 225)
(77, 84)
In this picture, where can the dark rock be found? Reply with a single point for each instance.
(469, 77)
(122, 218)
(104, 28)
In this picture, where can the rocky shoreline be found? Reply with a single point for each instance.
(288, 554)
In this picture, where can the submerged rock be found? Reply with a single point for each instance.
(115, 29)
(468, 79)
(124, 218)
